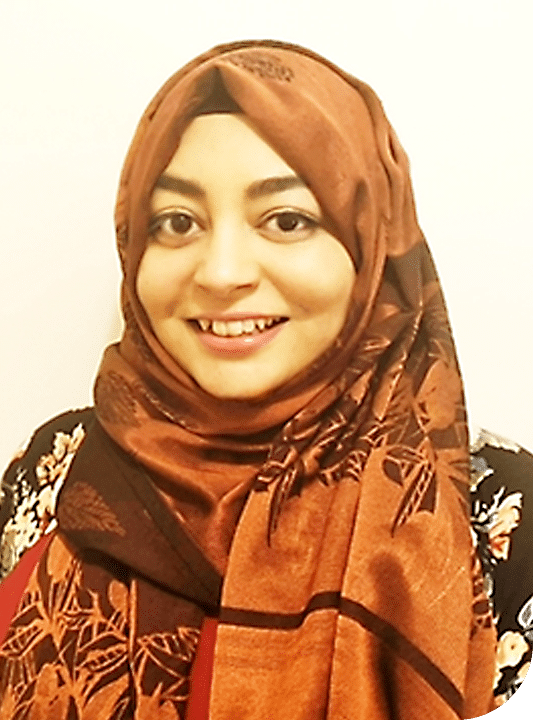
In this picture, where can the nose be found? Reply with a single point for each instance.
(227, 262)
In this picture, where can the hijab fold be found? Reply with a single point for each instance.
(336, 506)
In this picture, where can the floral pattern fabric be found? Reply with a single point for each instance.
(31, 485)
(502, 507)
(91, 638)
(70, 652)
(502, 515)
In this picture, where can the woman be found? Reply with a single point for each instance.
(271, 487)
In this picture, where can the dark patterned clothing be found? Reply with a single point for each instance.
(502, 521)
(92, 637)
(335, 504)
(89, 641)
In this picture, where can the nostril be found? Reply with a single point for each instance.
(226, 276)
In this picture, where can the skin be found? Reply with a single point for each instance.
(244, 238)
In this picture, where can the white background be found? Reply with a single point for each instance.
(455, 79)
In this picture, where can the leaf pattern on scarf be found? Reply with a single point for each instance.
(421, 495)
(400, 462)
(82, 508)
(116, 399)
(414, 427)
(165, 655)
(401, 394)
(71, 652)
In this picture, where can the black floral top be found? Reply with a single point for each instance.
(502, 518)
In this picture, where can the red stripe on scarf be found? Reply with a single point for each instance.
(13, 586)
(202, 672)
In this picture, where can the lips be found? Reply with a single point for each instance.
(237, 327)
(237, 336)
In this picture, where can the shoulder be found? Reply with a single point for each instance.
(33, 480)
(501, 485)
(496, 460)
(502, 525)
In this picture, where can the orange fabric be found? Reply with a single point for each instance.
(351, 588)
(332, 130)
(85, 644)
(359, 499)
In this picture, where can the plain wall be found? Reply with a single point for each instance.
(454, 76)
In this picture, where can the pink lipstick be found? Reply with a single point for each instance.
(237, 334)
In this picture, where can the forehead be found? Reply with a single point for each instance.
(221, 142)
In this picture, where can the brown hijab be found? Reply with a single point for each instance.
(332, 131)
(348, 588)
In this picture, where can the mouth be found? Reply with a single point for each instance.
(237, 336)
(234, 328)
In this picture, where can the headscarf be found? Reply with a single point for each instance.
(336, 506)
(332, 130)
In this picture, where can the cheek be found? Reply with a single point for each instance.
(321, 279)
(146, 287)
(158, 284)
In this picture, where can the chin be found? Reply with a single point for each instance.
(227, 390)
(239, 393)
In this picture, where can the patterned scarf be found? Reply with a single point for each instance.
(337, 507)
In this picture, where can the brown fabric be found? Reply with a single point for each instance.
(350, 590)
(79, 648)
(332, 130)
(108, 624)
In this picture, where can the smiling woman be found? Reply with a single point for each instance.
(241, 282)
(264, 516)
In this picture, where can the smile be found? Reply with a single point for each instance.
(237, 337)
(237, 328)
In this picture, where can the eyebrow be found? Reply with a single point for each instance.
(179, 185)
(272, 185)
(257, 189)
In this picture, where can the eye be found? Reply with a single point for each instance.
(172, 227)
(289, 224)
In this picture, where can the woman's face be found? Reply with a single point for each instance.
(241, 282)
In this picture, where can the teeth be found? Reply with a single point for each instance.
(234, 328)
(220, 328)
(248, 326)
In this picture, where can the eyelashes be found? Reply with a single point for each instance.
(172, 223)
(177, 226)
(289, 221)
